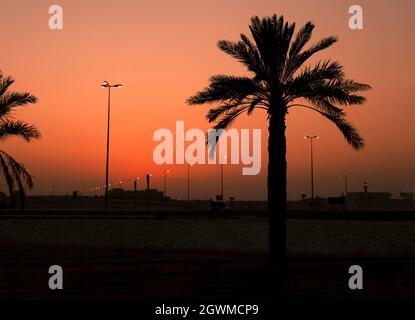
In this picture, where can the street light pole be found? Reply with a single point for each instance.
(165, 182)
(188, 181)
(148, 189)
(312, 163)
(221, 178)
(135, 193)
(109, 86)
(345, 183)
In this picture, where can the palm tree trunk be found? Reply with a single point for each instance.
(277, 189)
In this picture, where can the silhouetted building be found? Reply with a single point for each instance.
(119, 193)
(379, 201)
(337, 200)
(407, 195)
(367, 200)
(355, 201)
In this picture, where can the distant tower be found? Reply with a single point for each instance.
(365, 187)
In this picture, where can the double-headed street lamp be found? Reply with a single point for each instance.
(312, 163)
(106, 84)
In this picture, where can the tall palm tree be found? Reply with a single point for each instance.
(280, 81)
(15, 173)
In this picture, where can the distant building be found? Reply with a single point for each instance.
(355, 201)
(337, 200)
(119, 193)
(407, 195)
(367, 200)
(378, 200)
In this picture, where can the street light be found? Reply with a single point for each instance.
(345, 182)
(135, 192)
(109, 86)
(312, 163)
(165, 182)
(188, 181)
(148, 175)
(221, 178)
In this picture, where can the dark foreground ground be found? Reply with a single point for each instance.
(203, 259)
(173, 276)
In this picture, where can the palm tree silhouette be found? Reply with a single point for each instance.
(15, 173)
(280, 81)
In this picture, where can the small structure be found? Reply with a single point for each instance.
(121, 194)
(367, 200)
(218, 207)
(407, 196)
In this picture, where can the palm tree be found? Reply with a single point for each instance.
(280, 81)
(15, 173)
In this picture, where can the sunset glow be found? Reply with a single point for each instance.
(164, 51)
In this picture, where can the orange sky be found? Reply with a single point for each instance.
(163, 51)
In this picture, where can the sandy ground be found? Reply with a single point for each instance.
(246, 235)
(203, 259)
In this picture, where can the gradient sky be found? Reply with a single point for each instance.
(163, 51)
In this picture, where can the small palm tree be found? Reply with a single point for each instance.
(14, 172)
(280, 81)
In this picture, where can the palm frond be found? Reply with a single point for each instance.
(18, 128)
(350, 133)
(226, 88)
(312, 77)
(246, 53)
(229, 118)
(297, 61)
(216, 112)
(301, 39)
(4, 167)
(17, 170)
(272, 37)
(254, 103)
(322, 70)
(14, 99)
(276, 57)
(5, 83)
(338, 91)
(15, 173)
(10, 100)
(327, 107)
